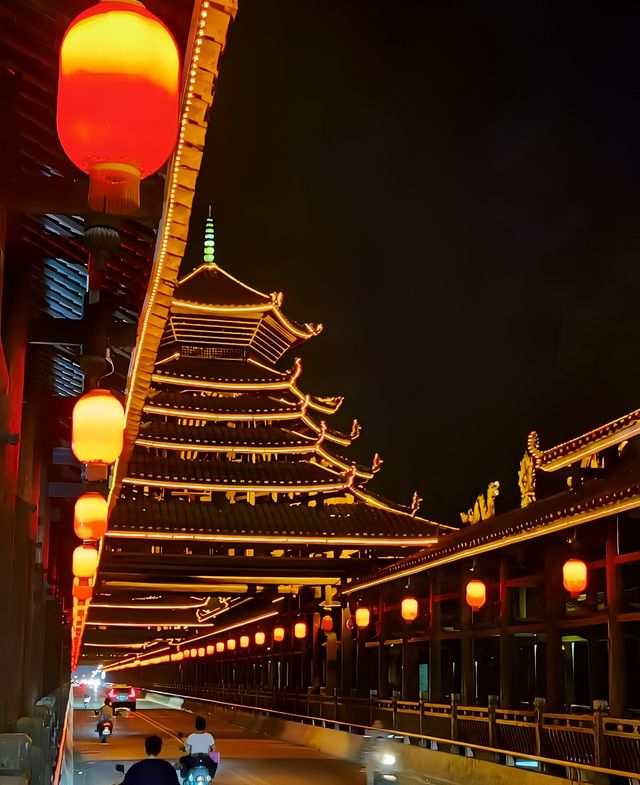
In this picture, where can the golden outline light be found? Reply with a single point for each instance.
(276, 539)
(539, 531)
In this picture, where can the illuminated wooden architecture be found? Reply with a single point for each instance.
(238, 489)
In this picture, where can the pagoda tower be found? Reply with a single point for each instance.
(239, 490)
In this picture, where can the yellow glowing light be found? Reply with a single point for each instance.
(363, 617)
(278, 634)
(300, 630)
(193, 653)
(244, 641)
(476, 594)
(574, 577)
(90, 516)
(409, 609)
(231, 644)
(219, 647)
(201, 651)
(85, 561)
(97, 427)
(260, 638)
(210, 649)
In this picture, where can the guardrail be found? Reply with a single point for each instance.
(36, 751)
(589, 742)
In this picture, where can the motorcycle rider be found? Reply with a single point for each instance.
(152, 770)
(198, 746)
(105, 715)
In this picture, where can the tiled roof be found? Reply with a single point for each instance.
(219, 370)
(234, 474)
(250, 404)
(212, 286)
(213, 434)
(267, 518)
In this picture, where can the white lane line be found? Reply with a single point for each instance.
(159, 726)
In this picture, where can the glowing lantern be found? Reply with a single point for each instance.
(85, 561)
(210, 649)
(180, 656)
(300, 630)
(476, 594)
(363, 617)
(278, 634)
(244, 641)
(193, 653)
(97, 431)
(219, 646)
(90, 516)
(201, 651)
(231, 644)
(326, 623)
(409, 609)
(118, 104)
(574, 577)
(186, 653)
(260, 638)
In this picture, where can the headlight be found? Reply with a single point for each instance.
(388, 760)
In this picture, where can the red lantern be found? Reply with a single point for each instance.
(118, 100)
(97, 431)
(574, 577)
(409, 609)
(85, 561)
(326, 623)
(90, 516)
(476, 594)
(363, 617)
(278, 634)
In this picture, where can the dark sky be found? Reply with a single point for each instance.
(452, 189)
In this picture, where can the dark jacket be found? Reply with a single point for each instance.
(151, 771)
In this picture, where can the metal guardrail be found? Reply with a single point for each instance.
(33, 752)
(575, 742)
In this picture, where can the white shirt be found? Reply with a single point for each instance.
(200, 743)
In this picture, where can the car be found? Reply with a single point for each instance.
(122, 696)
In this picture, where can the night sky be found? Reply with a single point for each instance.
(452, 189)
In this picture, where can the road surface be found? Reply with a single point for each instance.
(246, 758)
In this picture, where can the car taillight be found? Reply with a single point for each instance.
(132, 693)
(113, 694)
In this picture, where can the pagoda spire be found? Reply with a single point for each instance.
(209, 240)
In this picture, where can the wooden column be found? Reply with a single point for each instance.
(347, 654)
(507, 643)
(555, 663)
(617, 667)
(435, 644)
(332, 660)
(467, 680)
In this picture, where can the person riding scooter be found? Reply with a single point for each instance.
(105, 715)
(200, 747)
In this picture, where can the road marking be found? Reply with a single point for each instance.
(159, 725)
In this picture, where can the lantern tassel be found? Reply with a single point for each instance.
(114, 188)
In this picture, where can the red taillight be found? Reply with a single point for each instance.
(132, 693)
(113, 694)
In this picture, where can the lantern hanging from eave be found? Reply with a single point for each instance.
(326, 623)
(231, 644)
(118, 100)
(244, 641)
(85, 561)
(363, 617)
(574, 577)
(90, 516)
(220, 646)
(300, 630)
(202, 651)
(278, 634)
(210, 649)
(260, 638)
(193, 653)
(476, 594)
(409, 609)
(97, 431)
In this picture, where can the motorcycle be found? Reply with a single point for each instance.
(200, 768)
(384, 767)
(105, 729)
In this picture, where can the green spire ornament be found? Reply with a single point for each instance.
(209, 241)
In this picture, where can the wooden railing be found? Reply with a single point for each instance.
(589, 740)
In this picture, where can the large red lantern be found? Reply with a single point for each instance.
(476, 594)
(97, 431)
(85, 561)
(90, 516)
(574, 576)
(326, 623)
(118, 100)
(82, 589)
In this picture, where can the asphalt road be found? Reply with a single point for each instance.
(246, 758)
